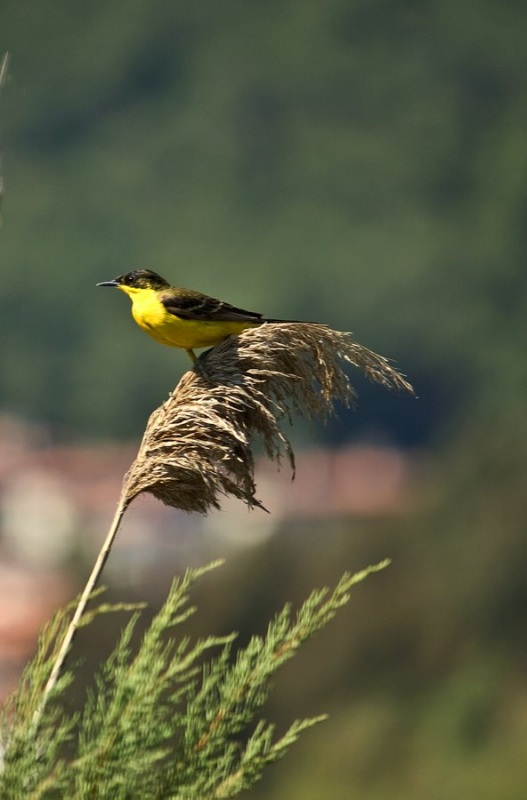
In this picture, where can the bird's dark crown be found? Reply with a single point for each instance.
(142, 279)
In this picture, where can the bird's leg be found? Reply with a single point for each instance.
(192, 356)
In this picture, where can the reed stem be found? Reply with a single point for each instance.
(81, 606)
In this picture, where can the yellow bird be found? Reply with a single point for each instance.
(182, 317)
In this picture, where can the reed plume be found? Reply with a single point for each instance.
(198, 446)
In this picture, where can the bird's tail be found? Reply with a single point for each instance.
(265, 319)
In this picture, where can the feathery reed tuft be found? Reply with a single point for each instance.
(197, 446)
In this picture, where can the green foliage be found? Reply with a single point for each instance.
(162, 721)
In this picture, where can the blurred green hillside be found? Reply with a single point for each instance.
(362, 163)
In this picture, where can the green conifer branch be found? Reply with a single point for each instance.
(160, 723)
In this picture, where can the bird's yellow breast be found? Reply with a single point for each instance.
(152, 316)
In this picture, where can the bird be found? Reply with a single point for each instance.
(182, 317)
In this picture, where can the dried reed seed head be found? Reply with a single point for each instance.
(197, 447)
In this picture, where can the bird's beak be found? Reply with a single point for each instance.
(109, 283)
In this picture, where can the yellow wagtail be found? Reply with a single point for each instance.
(182, 317)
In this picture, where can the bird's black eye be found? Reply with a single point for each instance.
(128, 280)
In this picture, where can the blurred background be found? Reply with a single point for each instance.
(357, 162)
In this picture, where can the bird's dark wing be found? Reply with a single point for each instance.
(186, 304)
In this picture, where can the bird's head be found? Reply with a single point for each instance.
(136, 281)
